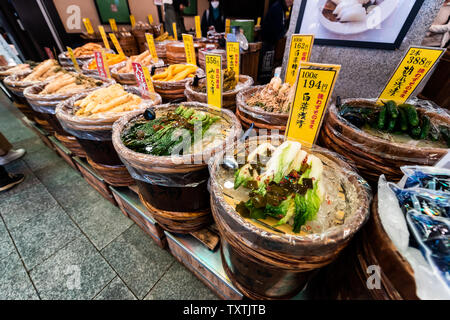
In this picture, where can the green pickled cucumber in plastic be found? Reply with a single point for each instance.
(426, 124)
(392, 109)
(382, 117)
(403, 121)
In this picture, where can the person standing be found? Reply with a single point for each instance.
(173, 12)
(213, 18)
(7, 155)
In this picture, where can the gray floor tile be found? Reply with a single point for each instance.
(77, 271)
(137, 260)
(41, 236)
(178, 283)
(57, 176)
(116, 290)
(15, 131)
(14, 281)
(6, 245)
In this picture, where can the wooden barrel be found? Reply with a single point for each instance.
(250, 59)
(372, 155)
(207, 50)
(129, 77)
(129, 45)
(174, 189)
(262, 119)
(139, 36)
(94, 136)
(172, 90)
(269, 265)
(228, 97)
(175, 52)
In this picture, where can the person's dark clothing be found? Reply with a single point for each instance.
(275, 24)
(213, 17)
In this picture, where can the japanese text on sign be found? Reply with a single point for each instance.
(102, 65)
(213, 71)
(300, 51)
(74, 60)
(233, 58)
(116, 44)
(112, 23)
(143, 79)
(151, 46)
(104, 37)
(188, 40)
(198, 29)
(88, 25)
(413, 68)
(315, 83)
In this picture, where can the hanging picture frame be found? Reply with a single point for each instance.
(113, 9)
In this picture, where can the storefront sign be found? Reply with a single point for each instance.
(88, 25)
(151, 46)
(112, 23)
(315, 83)
(132, 20)
(104, 37)
(300, 51)
(150, 18)
(213, 71)
(198, 28)
(233, 58)
(189, 49)
(74, 60)
(102, 64)
(116, 44)
(410, 72)
(174, 29)
(143, 79)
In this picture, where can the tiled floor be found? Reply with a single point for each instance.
(59, 239)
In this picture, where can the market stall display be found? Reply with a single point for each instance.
(168, 156)
(112, 59)
(381, 139)
(230, 89)
(211, 50)
(161, 48)
(82, 54)
(175, 52)
(283, 212)
(123, 72)
(139, 31)
(9, 70)
(90, 117)
(127, 43)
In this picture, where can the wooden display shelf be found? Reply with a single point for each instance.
(131, 206)
(65, 153)
(94, 179)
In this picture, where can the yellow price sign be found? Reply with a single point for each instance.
(112, 23)
(116, 44)
(88, 25)
(150, 18)
(198, 28)
(300, 51)
(213, 69)
(104, 37)
(233, 58)
(227, 26)
(151, 46)
(412, 69)
(132, 20)
(74, 60)
(315, 83)
(102, 64)
(189, 49)
(174, 29)
(258, 22)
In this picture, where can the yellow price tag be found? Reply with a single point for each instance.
(188, 40)
(300, 51)
(151, 46)
(213, 69)
(132, 20)
(88, 25)
(227, 26)
(116, 44)
(258, 22)
(74, 60)
(174, 29)
(315, 83)
(233, 58)
(150, 19)
(198, 28)
(112, 23)
(410, 72)
(148, 79)
(104, 37)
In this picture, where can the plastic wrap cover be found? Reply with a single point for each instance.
(15, 84)
(272, 118)
(100, 128)
(172, 171)
(47, 103)
(173, 85)
(93, 72)
(287, 249)
(372, 145)
(65, 61)
(129, 78)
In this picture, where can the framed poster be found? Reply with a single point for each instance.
(376, 24)
(191, 9)
(113, 9)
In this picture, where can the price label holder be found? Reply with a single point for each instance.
(132, 20)
(174, 29)
(300, 51)
(74, 60)
(227, 25)
(151, 46)
(116, 44)
(233, 58)
(113, 25)
(143, 79)
(88, 25)
(104, 37)
(214, 83)
(315, 83)
(412, 69)
(198, 28)
(189, 49)
(258, 22)
(102, 64)
(150, 18)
